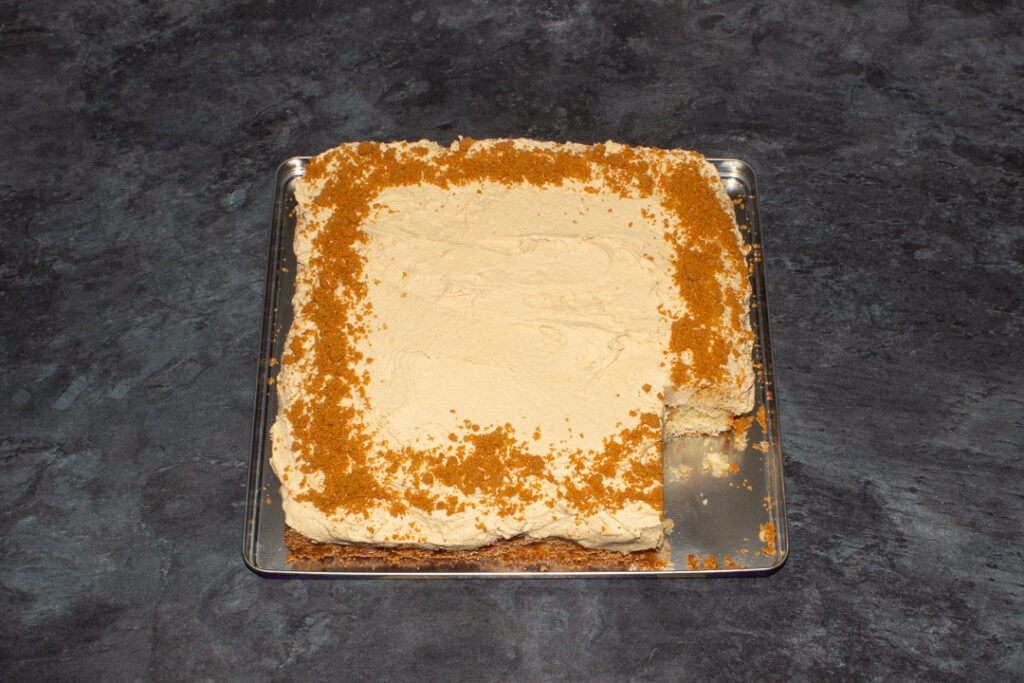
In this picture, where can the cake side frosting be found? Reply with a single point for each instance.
(428, 403)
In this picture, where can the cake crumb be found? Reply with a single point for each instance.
(716, 463)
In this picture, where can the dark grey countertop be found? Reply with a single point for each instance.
(138, 144)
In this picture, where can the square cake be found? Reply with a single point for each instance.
(491, 341)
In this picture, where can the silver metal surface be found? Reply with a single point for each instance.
(729, 510)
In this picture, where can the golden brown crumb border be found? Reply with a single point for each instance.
(358, 173)
(519, 555)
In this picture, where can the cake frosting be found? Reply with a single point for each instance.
(491, 339)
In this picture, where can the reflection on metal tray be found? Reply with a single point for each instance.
(725, 497)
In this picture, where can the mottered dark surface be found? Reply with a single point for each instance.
(139, 143)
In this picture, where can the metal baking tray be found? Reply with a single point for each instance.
(729, 515)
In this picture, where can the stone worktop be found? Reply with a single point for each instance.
(139, 143)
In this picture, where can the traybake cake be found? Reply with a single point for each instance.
(490, 340)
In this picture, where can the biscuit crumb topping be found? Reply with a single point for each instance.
(336, 451)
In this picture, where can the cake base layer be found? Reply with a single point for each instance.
(511, 555)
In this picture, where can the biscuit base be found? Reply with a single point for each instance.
(513, 555)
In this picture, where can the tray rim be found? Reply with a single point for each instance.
(728, 168)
